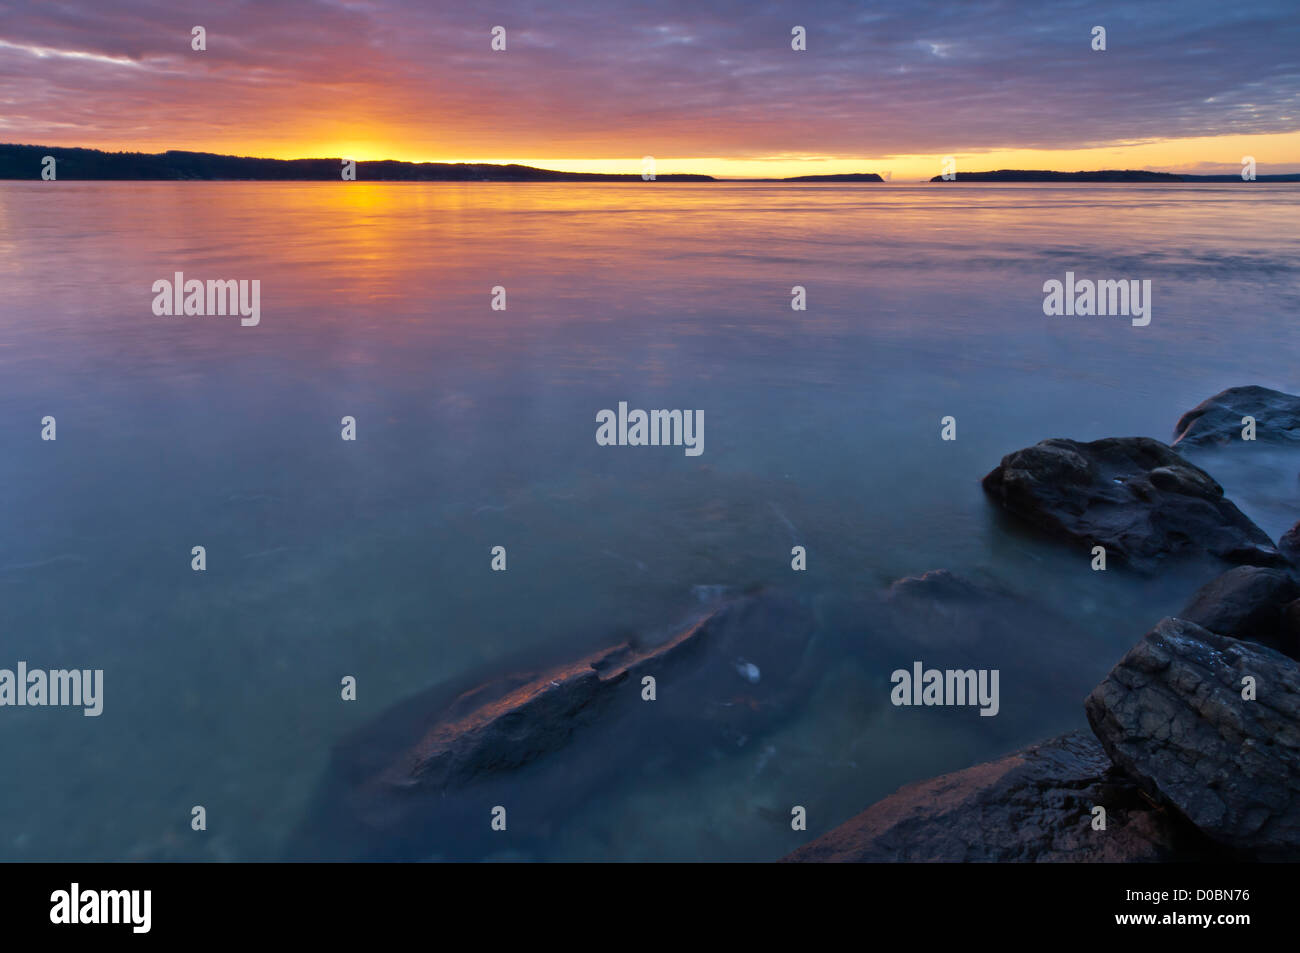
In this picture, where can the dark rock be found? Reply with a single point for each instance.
(1171, 715)
(421, 779)
(1291, 623)
(1289, 544)
(938, 584)
(942, 610)
(1132, 495)
(1034, 805)
(1247, 602)
(1217, 420)
(956, 621)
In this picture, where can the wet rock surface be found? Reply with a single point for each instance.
(1133, 495)
(1197, 748)
(1248, 602)
(1032, 806)
(1289, 544)
(1217, 421)
(1171, 715)
(422, 778)
(942, 610)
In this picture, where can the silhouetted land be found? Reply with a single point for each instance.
(844, 177)
(1288, 177)
(1107, 175)
(24, 162)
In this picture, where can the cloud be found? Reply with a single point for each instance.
(583, 78)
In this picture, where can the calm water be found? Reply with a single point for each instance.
(476, 428)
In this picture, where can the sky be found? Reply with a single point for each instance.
(701, 86)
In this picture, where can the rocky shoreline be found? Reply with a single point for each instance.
(1196, 754)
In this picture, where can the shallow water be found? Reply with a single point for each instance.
(476, 428)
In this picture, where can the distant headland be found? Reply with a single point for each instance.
(1106, 175)
(24, 162)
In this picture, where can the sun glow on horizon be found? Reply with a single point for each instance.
(1274, 154)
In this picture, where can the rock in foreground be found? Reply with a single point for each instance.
(1034, 805)
(1289, 544)
(421, 780)
(1217, 420)
(1248, 602)
(1133, 495)
(1171, 715)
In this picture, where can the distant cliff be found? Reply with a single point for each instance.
(24, 162)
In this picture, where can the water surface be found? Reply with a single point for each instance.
(476, 428)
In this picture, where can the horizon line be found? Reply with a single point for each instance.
(862, 177)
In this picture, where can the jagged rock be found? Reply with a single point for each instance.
(1171, 715)
(1133, 495)
(1247, 602)
(420, 779)
(1035, 805)
(1217, 420)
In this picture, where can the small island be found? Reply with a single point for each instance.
(1104, 175)
(842, 177)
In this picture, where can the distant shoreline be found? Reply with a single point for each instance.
(1105, 175)
(26, 162)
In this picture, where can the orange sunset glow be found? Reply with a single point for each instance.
(709, 93)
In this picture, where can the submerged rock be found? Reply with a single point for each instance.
(941, 609)
(1133, 495)
(1217, 420)
(939, 584)
(422, 779)
(1248, 602)
(1035, 805)
(1171, 715)
(947, 620)
(972, 620)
